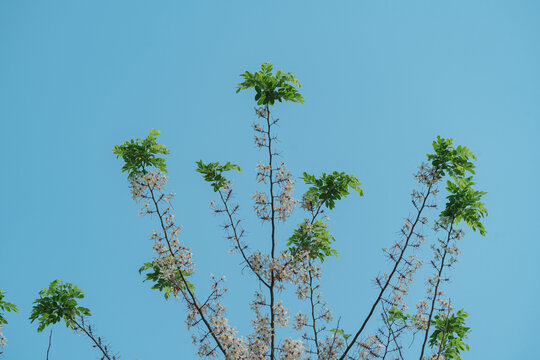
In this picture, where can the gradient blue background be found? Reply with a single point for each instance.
(381, 80)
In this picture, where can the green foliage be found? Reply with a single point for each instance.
(140, 154)
(329, 188)
(326, 190)
(269, 87)
(449, 333)
(56, 303)
(395, 314)
(342, 333)
(161, 284)
(454, 160)
(212, 173)
(317, 241)
(5, 306)
(464, 204)
(463, 201)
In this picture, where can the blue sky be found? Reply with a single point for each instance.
(381, 80)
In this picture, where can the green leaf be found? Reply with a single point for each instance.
(57, 302)
(140, 154)
(342, 333)
(449, 159)
(312, 237)
(449, 334)
(6, 306)
(327, 189)
(464, 204)
(213, 173)
(271, 88)
(153, 273)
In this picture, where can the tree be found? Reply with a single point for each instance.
(295, 262)
(298, 260)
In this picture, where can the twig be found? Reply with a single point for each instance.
(49, 348)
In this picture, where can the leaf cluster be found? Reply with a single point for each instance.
(270, 88)
(464, 204)
(342, 333)
(328, 188)
(325, 191)
(317, 241)
(164, 285)
(449, 333)
(449, 159)
(58, 302)
(395, 314)
(463, 201)
(5, 306)
(140, 154)
(213, 173)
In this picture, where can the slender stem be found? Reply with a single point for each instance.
(91, 336)
(184, 281)
(436, 288)
(272, 220)
(49, 348)
(313, 323)
(395, 342)
(387, 343)
(237, 239)
(311, 292)
(389, 277)
(445, 333)
(394, 336)
(334, 337)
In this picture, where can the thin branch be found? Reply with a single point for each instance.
(411, 232)
(97, 341)
(445, 333)
(272, 220)
(233, 225)
(49, 348)
(436, 288)
(184, 281)
(394, 336)
(313, 324)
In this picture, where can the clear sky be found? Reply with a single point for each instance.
(381, 80)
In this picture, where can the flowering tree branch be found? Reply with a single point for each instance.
(436, 290)
(430, 179)
(300, 259)
(190, 297)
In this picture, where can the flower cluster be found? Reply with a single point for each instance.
(300, 321)
(292, 349)
(281, 313)
(3, 340)
(420, 318)
(263, 172)
(174, 258)
(259, 342)
(331, 347)
(427, 175)
(262, 206)
(370, 347)
(261, 112)
(285, 202)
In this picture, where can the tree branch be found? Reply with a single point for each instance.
(411, 232)
(184, 281)
(436, 288)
